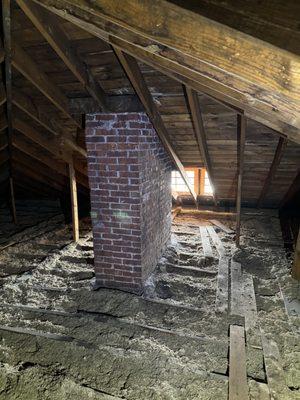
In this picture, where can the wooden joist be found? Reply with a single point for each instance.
(206, 246)
(136, 78)
(194, 105)
(222, 293)
(238, 387)
(74, 205)
(49, 26)
(272, 171)
(216, 240)
(27, 67)
(215, 57)
(241, 139)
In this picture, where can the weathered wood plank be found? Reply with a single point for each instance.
(238, 387)
(74, 205)
(26, 65)
(50, 28)
(236, 303)
(272, 171)
(275, 373)
(190, 45)
(222, 295)
(241, 139)
(216, 240)
(196, 115)
(207, 249)
(224, 228)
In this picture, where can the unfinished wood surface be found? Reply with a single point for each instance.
(249, 300)
(74, 205)
(241, 138)
(13, 203)
(231, 74)
(49, 26)
(216, 240)
(274, 370)
(136, 78)
(236, 303)
(275, 163)
(223, 227)
(206, 246)
(238, 387)
(222, 294)
(26, 65)
(196, 115)
(296, 263)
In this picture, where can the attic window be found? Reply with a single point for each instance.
(198, 179)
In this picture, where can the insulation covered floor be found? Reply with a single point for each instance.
(60, 340)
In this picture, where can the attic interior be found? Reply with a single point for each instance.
(149, 203)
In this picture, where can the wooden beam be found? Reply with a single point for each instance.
(238, 387)
(116, 104)
(194, 105)
(12, 196)
(241, 138)
(51, 30)
(291, 191)
(74, 205)
(137, 80)
(272, 171)
(296, 263)
(216, 57)
(26, 104)
(51, 145)
(2, 94)
(6, 16)
(27, 67)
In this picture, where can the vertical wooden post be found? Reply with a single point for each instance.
(296, 263)
(74, 205)
(12, 197)
(241, 138)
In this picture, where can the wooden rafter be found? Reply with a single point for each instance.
(6, 15)
(26, 104)
(241, 139)
(272, 171)
(51, 145)
(137, 80)
(197, 119)
(74, 205)
(24, 64)
(51, 30)
(217, 58)
(291, 191)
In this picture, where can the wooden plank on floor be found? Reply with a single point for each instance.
(238, 387)
(249, 300)
(222, 286)
(275, 373)
(216, 240)
(236, 304)
(223, 227)
(207, 249)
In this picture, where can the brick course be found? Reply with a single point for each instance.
(130, 182)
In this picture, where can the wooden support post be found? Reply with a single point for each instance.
(241, 138)
(6, 17)
(73, 187)
(296, 263)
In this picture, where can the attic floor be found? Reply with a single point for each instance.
(60, 340)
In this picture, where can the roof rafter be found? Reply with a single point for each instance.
(198, 49)
(273, 168)
(49, 27)
(25, 64)
(197, 120)
(137, 80)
